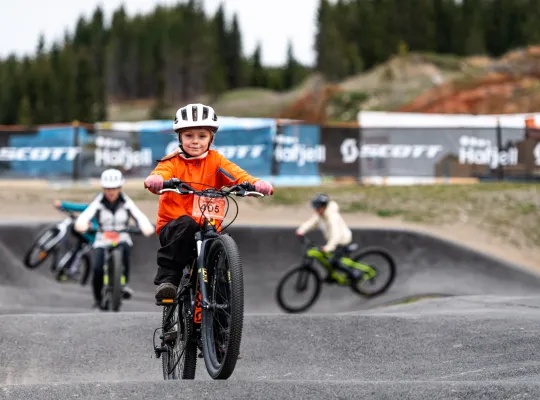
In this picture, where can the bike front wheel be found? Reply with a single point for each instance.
(379, 274)
(305, 283)
(222, 322)
(116, 272)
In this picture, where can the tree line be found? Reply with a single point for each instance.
(353, 36)
(171, 55)
(177, 52)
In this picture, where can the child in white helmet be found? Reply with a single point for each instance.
(193, 161)
(112, 209)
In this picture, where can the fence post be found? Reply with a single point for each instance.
(75, 172)
(500, 169)
(274, 171)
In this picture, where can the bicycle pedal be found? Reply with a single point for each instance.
(159, 350)
(165, 302)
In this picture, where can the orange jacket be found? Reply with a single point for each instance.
(214, 170)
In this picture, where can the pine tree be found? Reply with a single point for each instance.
(258, 74)
(290, 73)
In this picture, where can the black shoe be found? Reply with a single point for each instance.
(100, 306)
(127, 292)
(355, 273)
(166, 291)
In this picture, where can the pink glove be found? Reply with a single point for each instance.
(263, 187)
(154, 183)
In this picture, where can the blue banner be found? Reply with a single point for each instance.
(298, 150)
(250, 149)
(48, 153)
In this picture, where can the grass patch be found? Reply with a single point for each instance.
(390, 213)
(508, 210)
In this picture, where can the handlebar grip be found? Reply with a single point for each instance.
(171, 183)
(248, 186)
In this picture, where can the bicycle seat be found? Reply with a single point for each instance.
(352, 247)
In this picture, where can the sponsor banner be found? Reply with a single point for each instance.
(105, 149)
(434, 152)
(340, 145)
(47, 152)
(297, 150)
(250, 149)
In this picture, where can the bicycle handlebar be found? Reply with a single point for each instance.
(244, 189)
(306, 241)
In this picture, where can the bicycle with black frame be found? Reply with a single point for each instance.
(114, 278)
(356, 272)
(207, 313)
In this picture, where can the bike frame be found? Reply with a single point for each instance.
(312, 253)
(62, 227)
(68, 260)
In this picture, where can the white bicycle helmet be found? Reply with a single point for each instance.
(112, 178)
(194, 116)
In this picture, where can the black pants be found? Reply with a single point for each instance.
(98, 259)
(339, 252)
(178, 249)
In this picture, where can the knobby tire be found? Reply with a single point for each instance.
(220, 363)
(280, 296)
(392, 273)
(116, 283)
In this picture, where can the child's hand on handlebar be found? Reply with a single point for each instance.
(263, 187)
(154, 183)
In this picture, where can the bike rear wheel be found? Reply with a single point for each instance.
(300, 277)
(41, 248)
(385, 272)
(180, 359)
(222, 326)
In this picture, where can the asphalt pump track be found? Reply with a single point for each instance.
(475, 336)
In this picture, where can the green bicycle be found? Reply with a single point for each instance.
(364, 277)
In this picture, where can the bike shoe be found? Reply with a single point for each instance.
(165, 291)
(127, 292)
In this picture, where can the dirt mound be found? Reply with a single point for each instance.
(508, 85)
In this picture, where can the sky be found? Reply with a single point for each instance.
(272, 23)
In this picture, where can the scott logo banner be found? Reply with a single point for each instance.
(38, 153)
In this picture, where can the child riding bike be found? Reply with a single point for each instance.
(193, 162)
(112, 209)
(334, 229)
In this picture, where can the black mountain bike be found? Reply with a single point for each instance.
(368, 279)
(208, 310)
(68, 259)
(114, 279)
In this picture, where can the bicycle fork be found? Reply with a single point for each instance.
(203, 273)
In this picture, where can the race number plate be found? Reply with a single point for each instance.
(111, 236)
(210, 207)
